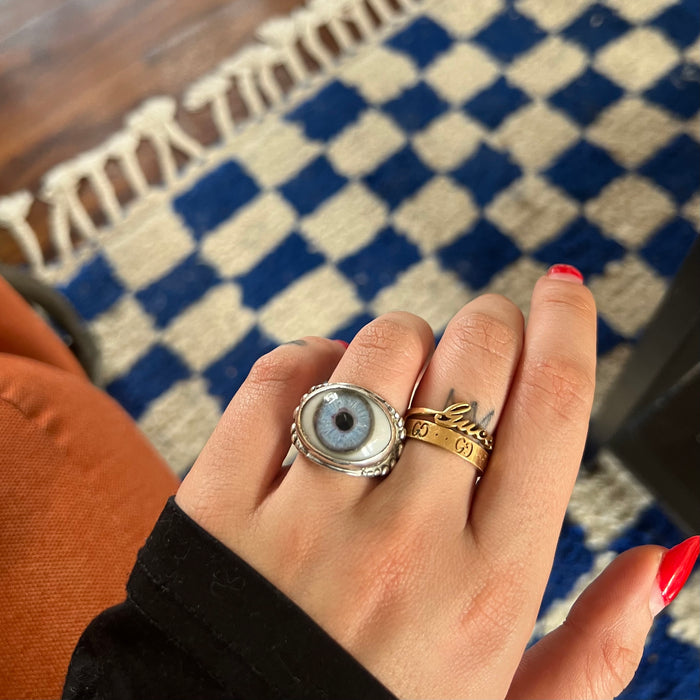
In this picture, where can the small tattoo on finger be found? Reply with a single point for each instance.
(483, 422)
(486, 419)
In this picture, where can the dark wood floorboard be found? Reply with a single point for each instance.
(70, 70)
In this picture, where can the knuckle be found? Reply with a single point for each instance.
(485, 332)
(386, 568)
(499, 600)
(389, 559)
(610, 664)
(272, 371)
(493, 613)
(612, 671)
(389, 343)
(294, 547)
(560, 384)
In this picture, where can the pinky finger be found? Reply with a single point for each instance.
(596, 651)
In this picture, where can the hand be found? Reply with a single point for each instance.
(433, 582)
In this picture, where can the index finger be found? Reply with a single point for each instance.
(520, 503)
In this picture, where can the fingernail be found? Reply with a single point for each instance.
(567, 273)
(674, 570)
(343, 343)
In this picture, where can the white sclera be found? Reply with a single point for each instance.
(378, 440)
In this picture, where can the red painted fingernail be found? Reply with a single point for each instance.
(675, 568)
(565, 272)
(343, 343)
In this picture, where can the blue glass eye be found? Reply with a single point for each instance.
(349, 429)
(343, 421)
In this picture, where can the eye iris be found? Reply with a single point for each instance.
(343, 421)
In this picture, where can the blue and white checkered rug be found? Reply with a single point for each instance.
(457, 148)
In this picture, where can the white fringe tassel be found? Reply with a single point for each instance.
(13, 217)
(251, 71)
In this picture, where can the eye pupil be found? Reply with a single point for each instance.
(344, 421)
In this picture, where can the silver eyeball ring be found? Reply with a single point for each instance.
(349, 429)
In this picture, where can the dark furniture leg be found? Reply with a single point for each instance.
(651, 416)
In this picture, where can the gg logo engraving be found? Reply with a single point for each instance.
(420, 429)
(464, 447)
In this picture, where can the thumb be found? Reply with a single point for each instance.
(596, 651)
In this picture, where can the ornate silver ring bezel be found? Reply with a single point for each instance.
(379, 465)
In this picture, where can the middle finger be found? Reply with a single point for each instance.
(474, 363)
(385, 357)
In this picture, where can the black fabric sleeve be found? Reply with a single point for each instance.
(199, 622)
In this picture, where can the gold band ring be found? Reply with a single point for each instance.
(455, 417)
(450, 440)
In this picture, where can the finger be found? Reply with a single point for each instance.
(521, 500)
(474, 363)
(243, 457)
(386, 357)
(596, 651)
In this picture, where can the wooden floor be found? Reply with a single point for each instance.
(71, 69)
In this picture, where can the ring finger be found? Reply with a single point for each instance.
(474, 363)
